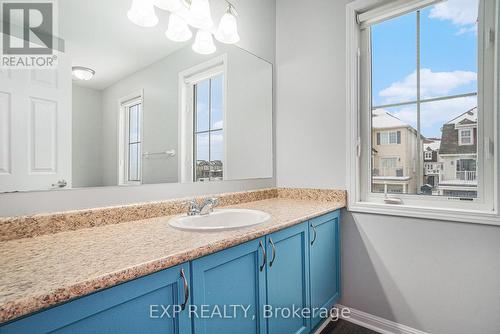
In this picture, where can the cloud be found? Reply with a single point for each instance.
(434, 114)
(462, 13)
(432, 84)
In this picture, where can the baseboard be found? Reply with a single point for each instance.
(320, 328)
(377, 324)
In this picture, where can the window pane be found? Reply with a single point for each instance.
(394, 60)
(133, 169)
(134, 123)
(217, 154)
(202, 171)
(217, 102)
(449, 48)
(202, 105)
(394, 150)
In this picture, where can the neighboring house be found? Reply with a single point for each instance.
(432, 165)
(393, 154)
(206, 171)
(458, 155)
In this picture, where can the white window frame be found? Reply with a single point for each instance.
(461, 136)
(187, 79)
(123, 104)
(359, 136)
(428, 155)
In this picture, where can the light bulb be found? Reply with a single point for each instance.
(169, 5)
(228, 29)
(199, 14)
(142, 13)
(178, 30)
(204, 43)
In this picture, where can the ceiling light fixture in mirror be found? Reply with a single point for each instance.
(186, 13)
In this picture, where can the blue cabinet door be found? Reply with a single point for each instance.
(324, 263)
(132, 307)
(226, 282)
(288, 279)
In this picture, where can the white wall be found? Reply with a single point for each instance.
(440, 277)
(87, 137)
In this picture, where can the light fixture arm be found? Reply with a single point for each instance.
(231, 9)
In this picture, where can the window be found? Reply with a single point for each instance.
(389, 137)
(416, 76)
(208, 129)
(131, 140)
(465, 137)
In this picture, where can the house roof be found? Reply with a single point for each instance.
(469, 117)
(432, 144)
(383, 119)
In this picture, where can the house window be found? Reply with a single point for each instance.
(131, 141)
(208, 129)
(465, 137)
(401, 76)
(388, 137)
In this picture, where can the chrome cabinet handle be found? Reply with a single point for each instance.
(186, 290)
(314, 238)
(273, 256)
(263, 256)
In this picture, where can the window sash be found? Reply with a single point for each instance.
(361, 183)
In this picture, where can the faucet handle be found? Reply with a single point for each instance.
(193, 207)
(212, 200)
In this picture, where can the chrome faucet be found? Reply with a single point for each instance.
(207, 207)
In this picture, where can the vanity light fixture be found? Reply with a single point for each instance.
(169, 5)
(185, 13)
(204, 43)
(143, 13)
(178, 30)
(228, 27)
(82, 73)
(199, 15)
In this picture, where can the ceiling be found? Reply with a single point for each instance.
(99, 35)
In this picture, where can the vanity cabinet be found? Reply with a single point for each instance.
(288, 278)
(324, 263)
(297, 267)
(132, 307)
(235, 276)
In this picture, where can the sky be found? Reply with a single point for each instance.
(448, 52)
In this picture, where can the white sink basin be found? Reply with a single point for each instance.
(220, 219)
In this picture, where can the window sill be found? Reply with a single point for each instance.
(464, 216)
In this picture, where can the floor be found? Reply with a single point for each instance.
(345, 327)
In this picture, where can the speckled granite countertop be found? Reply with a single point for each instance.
(45, 270)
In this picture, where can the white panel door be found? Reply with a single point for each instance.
(35, 128)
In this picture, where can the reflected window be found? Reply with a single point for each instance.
(131, 155)
(208, 129)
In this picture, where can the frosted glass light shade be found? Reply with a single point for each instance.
(204, 43)
(199, 15)
(178, 30)
(169, 5)
(228, 29)
(142, 13)
(82, 73)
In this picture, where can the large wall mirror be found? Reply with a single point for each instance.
(126, 106)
